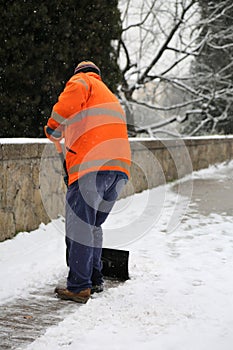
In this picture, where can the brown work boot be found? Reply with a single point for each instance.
(81, 297)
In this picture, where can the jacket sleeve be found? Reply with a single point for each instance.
(71, 101)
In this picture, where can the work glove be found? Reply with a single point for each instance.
(53, 135)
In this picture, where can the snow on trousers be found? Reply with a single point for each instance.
(88, 203)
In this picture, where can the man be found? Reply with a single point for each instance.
(90, 118)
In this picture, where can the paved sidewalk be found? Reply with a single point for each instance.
(24, 320)
(212, 195)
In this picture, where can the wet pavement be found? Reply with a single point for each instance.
(24, 320)
(211, 195)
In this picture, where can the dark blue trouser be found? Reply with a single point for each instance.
(88, 203)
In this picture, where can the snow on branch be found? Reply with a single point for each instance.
(170, 56)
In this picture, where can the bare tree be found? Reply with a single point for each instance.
(159, 43)
(213, 70)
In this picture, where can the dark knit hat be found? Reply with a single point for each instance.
(87, 66)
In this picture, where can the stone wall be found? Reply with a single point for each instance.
(32, 189)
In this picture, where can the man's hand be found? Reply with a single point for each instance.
(53, 135)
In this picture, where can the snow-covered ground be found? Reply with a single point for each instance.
(180, 292)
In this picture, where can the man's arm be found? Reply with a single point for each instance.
(71, 101)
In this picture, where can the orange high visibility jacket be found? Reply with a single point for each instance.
(94, 126)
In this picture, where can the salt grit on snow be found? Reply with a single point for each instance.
(180, 292)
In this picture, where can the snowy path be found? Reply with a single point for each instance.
(180, 295)
(23, 320)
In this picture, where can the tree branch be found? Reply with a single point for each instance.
(139, 24)
(165, 44)
(167, 108)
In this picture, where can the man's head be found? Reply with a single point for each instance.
(87, 66)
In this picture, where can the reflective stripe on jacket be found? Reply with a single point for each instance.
(95, 127)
